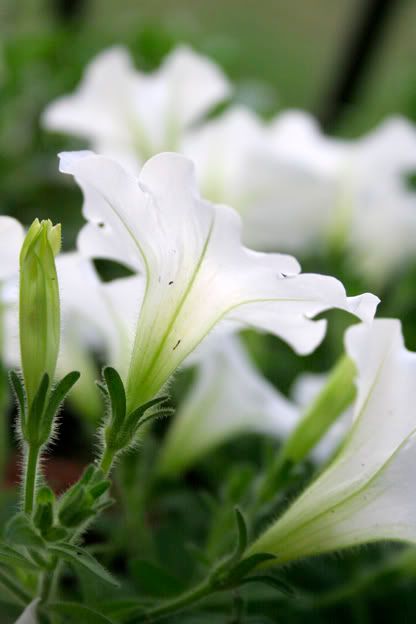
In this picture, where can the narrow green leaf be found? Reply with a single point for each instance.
(242, 534)
(78, 613)
(155, 581)
(57, 396)
(11, 557)
(19, 392)
(19, 530)
(79, 556)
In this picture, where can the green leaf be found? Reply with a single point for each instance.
(11, 557)
(19, 530)
(80, 557)
(155, 581)
(78, 613)
(242, 534)
(123, 608)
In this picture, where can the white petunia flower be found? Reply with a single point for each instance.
(229, 397)
(349, 194)
(196, 271)
(130, 115)
(367, 493)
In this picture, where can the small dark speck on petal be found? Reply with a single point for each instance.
(171, 282)
(101, 224)
(177, 345)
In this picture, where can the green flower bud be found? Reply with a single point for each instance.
(39, 310)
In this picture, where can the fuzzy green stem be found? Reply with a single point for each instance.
(30, 478)
(107, 460)
(20, 594)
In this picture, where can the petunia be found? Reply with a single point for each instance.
(130, 115)
(229, 397)
(349, 194)
(367, 493)
(197, 273)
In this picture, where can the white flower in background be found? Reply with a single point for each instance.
(11, 239)
(229, 397)
(368, 491)
(350, 194)
(130, 115)
(196, 271)
(305, 390)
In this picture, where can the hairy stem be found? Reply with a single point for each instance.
(180, 603)
(30, 478)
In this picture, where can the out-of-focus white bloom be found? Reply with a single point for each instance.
(130, 115)
(196, 271)
(306, 388)
(11, 239)
(368, 492)
(229, 397)
(351, 194)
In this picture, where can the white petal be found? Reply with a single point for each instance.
(229, 397)
(11, 239)
(357, 498)
(129, 115)
(197, 272)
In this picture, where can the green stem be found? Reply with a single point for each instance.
(106, 461)
(30, 478)
(22, 596)
(180, 603)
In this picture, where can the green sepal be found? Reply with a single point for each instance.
(57, 396)
(44, 512)
(247, 565)
(34, 420)
(80, 557)
(19, 392)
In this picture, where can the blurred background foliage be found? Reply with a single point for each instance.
(280, 54)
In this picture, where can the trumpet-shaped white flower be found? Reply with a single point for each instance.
(196, 271)
(229, 397)
(368, 491)
(11, 239)
(130, 115)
